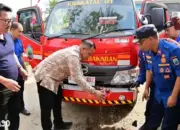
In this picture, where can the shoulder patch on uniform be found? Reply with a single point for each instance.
(175, 60)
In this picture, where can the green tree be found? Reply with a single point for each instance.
(51, 4)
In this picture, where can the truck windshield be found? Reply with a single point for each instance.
(91, 17)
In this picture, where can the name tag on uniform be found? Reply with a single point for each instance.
(161, 65)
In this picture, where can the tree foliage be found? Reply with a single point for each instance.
(51, 4)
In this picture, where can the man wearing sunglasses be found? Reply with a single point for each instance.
(164, 71)
(9, 68)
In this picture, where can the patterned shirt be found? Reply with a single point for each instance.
(59, 66)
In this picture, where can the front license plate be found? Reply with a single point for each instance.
(90, 80)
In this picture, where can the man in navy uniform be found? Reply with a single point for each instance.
(164, 71)
(141, 80)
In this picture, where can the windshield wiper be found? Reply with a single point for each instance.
(115, 30)
(61, 35)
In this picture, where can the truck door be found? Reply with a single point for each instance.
(32, 23)
(156, 13)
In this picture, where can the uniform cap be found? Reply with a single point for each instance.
(145, 31)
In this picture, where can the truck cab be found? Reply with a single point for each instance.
(111, 25)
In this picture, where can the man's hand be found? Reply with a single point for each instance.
(11, 85)
(145, 94)
(23, 73)
(100, 95)
(172, 101)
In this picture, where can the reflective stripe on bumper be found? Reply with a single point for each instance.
(96, 102)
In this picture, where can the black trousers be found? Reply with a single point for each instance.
(9, 104)
(21, 83)
(171, 116)
(149, 105)
(50, 101)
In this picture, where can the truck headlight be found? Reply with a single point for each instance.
(125, 77)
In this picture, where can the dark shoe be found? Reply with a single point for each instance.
(63, 126)
(25, 112)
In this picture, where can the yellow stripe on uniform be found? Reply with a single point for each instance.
(78, 99)
(116, 102)
(90, 101)
(84, 100)
(66, 98)
(72, 99)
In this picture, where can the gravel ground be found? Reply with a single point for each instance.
(84, 117)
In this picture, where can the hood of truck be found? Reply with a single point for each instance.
(109, 51)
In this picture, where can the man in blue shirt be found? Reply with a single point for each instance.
(164, 65)
(16, 31)
(9, 66)
(171, 32)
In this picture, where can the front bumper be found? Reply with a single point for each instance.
(74, 94)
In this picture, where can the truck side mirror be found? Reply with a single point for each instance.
(158, 18)
(155, 13)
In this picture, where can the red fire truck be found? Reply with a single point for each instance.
(111, 25)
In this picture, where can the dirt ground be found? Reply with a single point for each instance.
(83, 117)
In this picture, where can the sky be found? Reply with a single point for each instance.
(18, 4)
